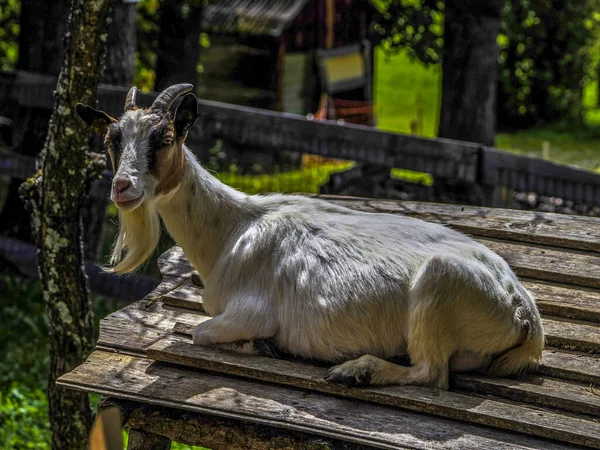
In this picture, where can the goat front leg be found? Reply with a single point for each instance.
(247, 319)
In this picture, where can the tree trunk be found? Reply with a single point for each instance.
(55, 197)
(178, 46)
(121, 45)
(469, 66)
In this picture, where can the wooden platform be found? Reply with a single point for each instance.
(145, 354)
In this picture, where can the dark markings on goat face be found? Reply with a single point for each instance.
(114, 143)
(160, 140)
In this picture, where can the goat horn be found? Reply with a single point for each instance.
(131, 99)
(166, 98)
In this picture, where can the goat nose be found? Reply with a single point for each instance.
(121, 184)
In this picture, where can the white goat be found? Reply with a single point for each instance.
(320, 280)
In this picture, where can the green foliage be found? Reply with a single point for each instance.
(544, 60)
(9, 33)
(24, 418)
(147, 42)
(24, 365)
(24, 347)
(307, 180)
(545, 51)
(415, 26)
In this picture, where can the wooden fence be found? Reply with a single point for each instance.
(276, 132)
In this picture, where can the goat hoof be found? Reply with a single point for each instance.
(266, 347)
(196, 279)
(350, 375)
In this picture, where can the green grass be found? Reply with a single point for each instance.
(401, 87)
(307, 180)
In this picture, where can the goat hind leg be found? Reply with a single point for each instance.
(369, 370)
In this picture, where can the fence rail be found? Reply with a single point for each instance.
(274, 132)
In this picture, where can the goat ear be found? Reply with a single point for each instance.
(186, 115)
(97, 120)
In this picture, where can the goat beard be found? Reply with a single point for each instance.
(139, 232)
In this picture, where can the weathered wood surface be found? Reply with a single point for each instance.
(572, 335)
(452, 405)
(220, 433)
(547, 263)
(559, 230)
(571, 366)
(143, 440)
(348, 420)
(565, 301)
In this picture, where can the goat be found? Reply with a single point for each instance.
(320, 281)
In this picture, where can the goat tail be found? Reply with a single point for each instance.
(525, 356)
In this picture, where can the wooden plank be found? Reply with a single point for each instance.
(133, 329)
(218, 432)
(568, 396)
(558, 230)
(571, 366)
(188, 296)
(447, 404)
(287, 408)
(549, 264)
(572, 335)
(174, 263)
(178, 291)
(566, 301)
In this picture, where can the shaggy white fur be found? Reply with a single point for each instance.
(331, 283)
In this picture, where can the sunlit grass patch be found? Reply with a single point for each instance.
(425, 179)
(307, 180)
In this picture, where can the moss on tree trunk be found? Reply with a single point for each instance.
(55, 196)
